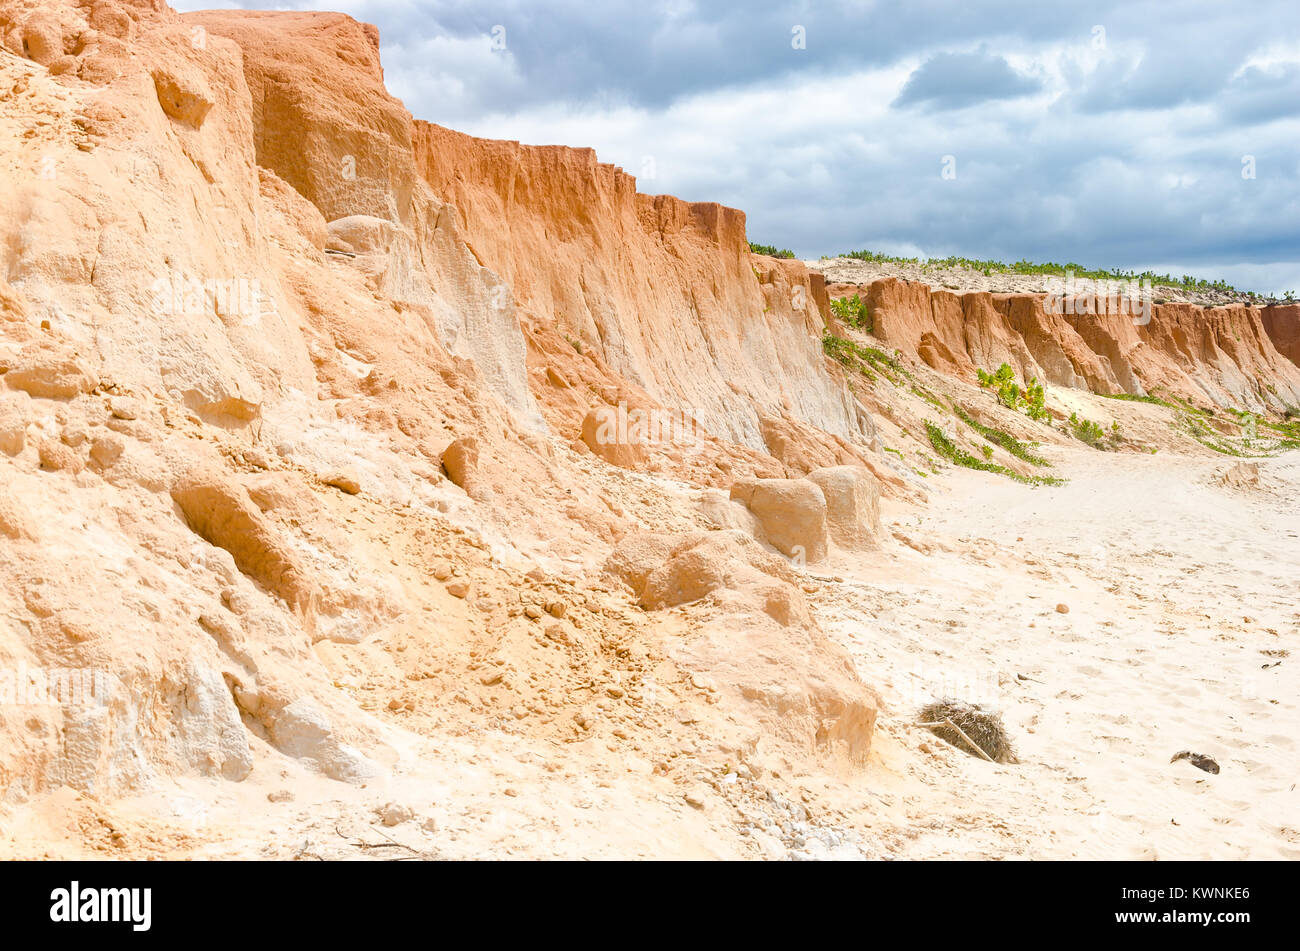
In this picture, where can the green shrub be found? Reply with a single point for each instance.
(1032, 400)
(853, 311)
(1086, 430)
(770, 250)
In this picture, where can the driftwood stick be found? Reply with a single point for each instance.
(947, 721)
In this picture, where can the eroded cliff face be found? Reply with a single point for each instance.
(1282, 322)
(275, 441)
(1230, 357)
(665, 291)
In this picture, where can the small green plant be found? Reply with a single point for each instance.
(853, 311)
(1035, 402)
(770, 250)
(1032, 400)
(1086, 430)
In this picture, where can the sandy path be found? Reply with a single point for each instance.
(1179, 592)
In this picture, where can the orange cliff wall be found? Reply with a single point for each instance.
(1233, 356)
(1282, 323)
(664, 290)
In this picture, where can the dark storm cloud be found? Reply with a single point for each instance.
(954, 80)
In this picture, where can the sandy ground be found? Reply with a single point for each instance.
(1177, 614)
(1178, 636)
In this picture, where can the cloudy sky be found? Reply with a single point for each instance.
(1127, 134)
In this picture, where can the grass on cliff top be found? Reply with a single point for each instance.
(770, 250)
(958, 456)
(1186, 282)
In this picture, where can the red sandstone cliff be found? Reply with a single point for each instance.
(1232, 356)
(1282, 322)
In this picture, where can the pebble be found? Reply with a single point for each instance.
(394, 813)
(344, 482)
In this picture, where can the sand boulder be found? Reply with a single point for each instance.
(792, 514)
(852, 505)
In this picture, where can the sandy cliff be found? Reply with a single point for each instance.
(271, 441)
(301, 452)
